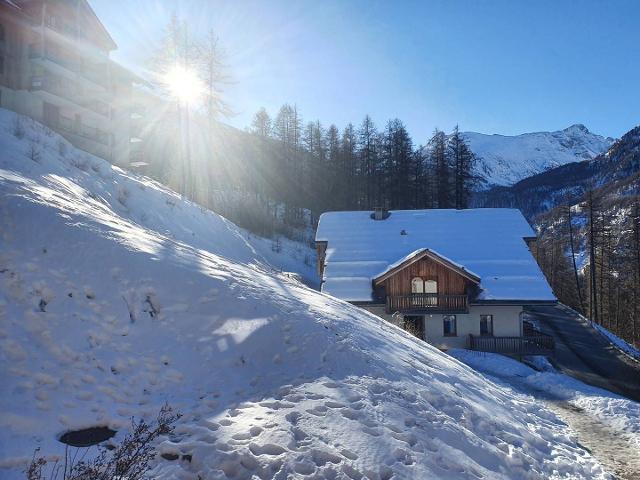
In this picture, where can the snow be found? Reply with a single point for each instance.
(618, 412)
(505, 160)
(117, 296)
(488, 241)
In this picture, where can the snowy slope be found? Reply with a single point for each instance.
(111, 306)
(504, 160)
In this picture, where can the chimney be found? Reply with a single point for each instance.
(380, 213)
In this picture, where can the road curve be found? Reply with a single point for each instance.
(585, 354)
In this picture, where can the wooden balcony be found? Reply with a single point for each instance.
(432, 302)
(538, 344)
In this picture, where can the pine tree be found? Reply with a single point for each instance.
(593, 236)
(462, 160)
(635, 257)
(368, 161)
(335, 176)
(573, 257)
(349, 166)
(261, 124)
(439, 158)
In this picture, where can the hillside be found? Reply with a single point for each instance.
(613, 178)
(118, 296)
(504, 160)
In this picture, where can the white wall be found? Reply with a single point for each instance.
(506, 323)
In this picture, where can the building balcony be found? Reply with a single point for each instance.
(67, 126)
(538, 344)
(62, 65)
(69, 92)
(427, 302)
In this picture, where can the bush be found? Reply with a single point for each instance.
(128, 460)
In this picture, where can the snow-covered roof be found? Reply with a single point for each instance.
(487, 241)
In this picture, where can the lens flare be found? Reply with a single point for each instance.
(184, 84)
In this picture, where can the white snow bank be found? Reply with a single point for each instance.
(105, 316)
(618, 412)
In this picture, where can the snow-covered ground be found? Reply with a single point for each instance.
(505, 160)
(618, 412)
(293, 258)
(116, 296)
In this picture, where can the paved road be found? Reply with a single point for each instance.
(585, 354)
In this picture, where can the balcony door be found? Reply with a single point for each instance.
(417, 291)
(431, 287)
(424, 292)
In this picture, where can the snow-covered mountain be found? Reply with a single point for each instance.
(117, 296)
(616, 170)
(505, 160)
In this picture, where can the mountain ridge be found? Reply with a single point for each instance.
(503, 160)
(616, 169)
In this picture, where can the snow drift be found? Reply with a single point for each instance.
(117, 296)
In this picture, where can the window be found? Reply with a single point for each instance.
(449, 326)
(430, 286)
(1, 65)
(417, 285)
(486, 325)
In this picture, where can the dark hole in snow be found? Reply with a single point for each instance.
(87, 437)
(170, 456)
(187, 457)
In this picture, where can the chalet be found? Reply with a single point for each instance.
(454, 278)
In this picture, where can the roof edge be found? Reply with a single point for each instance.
(420, 254)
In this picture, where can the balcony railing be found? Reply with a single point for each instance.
(69, 91)
(67, 125)
(96, 74)
(539, 344)
(427, 301)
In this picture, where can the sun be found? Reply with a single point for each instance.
(184, 84)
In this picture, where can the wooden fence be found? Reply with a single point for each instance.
(539, 344)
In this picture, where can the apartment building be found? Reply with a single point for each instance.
(55, 67)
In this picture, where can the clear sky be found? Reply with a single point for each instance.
(491, 66)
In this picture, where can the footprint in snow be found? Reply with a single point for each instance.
(266, 449)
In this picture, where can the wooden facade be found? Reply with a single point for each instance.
(453, 286)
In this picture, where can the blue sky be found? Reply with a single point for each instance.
(491, 66)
